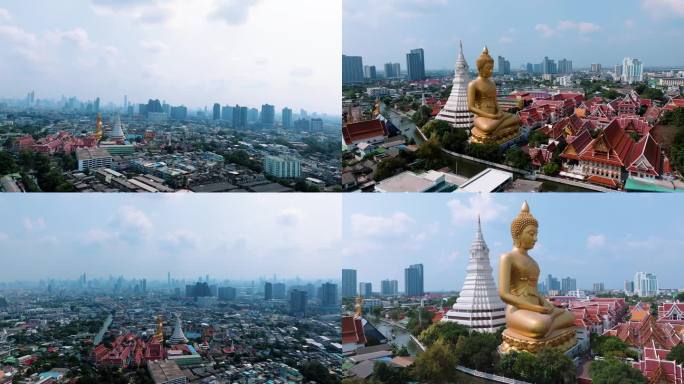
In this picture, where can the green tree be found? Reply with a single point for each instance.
(384, 373)
(516, 158)
(489, 152)
(478, 351)
(613, 371)
(680, 297)
(550, 169)
(677, 354)
(431, 152)
(314, 370)
(537, 138)
(7, 163)
(455, 140)
(436, 365)
(448, 332)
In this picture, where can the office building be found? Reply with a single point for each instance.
(568, 284)
(503, 66)
(268, 291)
(298, 302)
(199, 289)
(629, 287)
(287, 118)
(348, 283)
(179, 113)
(389, 287)
(645, 284)
(316, 125)
(282, 167)
(240, 116)
(598, 287)
(365, 289)
(369, 72)
(93, 158)
(227, 293)
(352, 69)
(329, 295)
(279, 291)
(227, 113)
(415, 64)
(267, 115)
(413, 280)
(564, 66)
(632, 70)
(217, 111)
(392, 70)
(596, 68)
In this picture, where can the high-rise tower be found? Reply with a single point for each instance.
(478, 306)
(456, 112)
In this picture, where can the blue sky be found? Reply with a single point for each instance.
(584, 31)
(192, 52)
(232, 236)
(591, 237)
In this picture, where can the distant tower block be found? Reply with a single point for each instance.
(455, 111)
(478, 306)
(178, 337)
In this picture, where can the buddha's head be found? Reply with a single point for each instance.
(524, 229)
(485, 64)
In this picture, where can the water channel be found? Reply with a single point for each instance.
(105, 326)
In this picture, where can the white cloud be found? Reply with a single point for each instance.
(134, 220)
(505, 40)
(544, 29)
(76, 36)
(233, 12)
(661, 9)
(289, 217)
(154, 46)
(596, 241)
(50, 240)
(581, 27)
(481, 204)
(363, 225)
(34, 224)
(4, 14)
(98, 236)
(181, 240)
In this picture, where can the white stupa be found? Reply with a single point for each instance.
(456, 112)
(478, 306)
(178, 337)
(117, 129)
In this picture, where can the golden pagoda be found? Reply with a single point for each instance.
(159, 334)
(99, 131)
(358, 308)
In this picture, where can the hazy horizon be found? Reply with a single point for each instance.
(193, 53)
(190, 235)
(521, 32)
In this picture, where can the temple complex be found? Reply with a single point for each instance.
(478, 305)
(456, 111)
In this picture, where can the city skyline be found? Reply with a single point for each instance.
(521, 32)
(77, 49)
(231, 236)
(582, 238)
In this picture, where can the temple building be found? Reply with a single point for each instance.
(478, 306)
(178, 337)
(117, 130)
(456, 112)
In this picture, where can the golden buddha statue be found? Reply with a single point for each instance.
(159, 334)
(532, 322)
(491, 124)
(358, 308)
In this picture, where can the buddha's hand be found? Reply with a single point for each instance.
(545, 309)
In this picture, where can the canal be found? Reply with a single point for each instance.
(398, 336)
(105, 326)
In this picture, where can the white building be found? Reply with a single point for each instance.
(645, 284)
(632, 70)
(284, 168)
(456, 110)
(478, 305)
(92, 158)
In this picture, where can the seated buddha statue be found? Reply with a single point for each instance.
(491, 124)
(532, 322)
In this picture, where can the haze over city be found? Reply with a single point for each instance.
(185, 52)
(583, 31)
(593, 238)
(234, 237)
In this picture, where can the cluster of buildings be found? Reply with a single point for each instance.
(354, 72)
(413, 284)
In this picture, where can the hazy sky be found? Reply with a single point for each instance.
(591, 237)
(224, 235)
(192, 52)
(584, 31)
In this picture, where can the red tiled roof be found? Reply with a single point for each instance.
(363, 130)
(646, 157)
(352, 330)
(612, 146)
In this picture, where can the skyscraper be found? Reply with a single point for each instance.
(629, 287)
(415, 64)
(227, 293)
(389, 288)
(645, 284)
(392, 70)
(352, 69)
(268, 291)
(287, 118)
(568, 284)
(328, 295)
(598, 287)
(365, 289)
(227, 113)
(316, 125)
(478, 306)
(278, 291)
(632, 70)
(504, 66)
(267, 115)
(217, 111)
(348, 283)
(565, 66)
(596, 68)
(369, 72)
(298, 302)
(413, 280)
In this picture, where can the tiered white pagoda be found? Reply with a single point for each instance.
(178, 337)
(117, 129)
(455, 111)
(478, 305)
